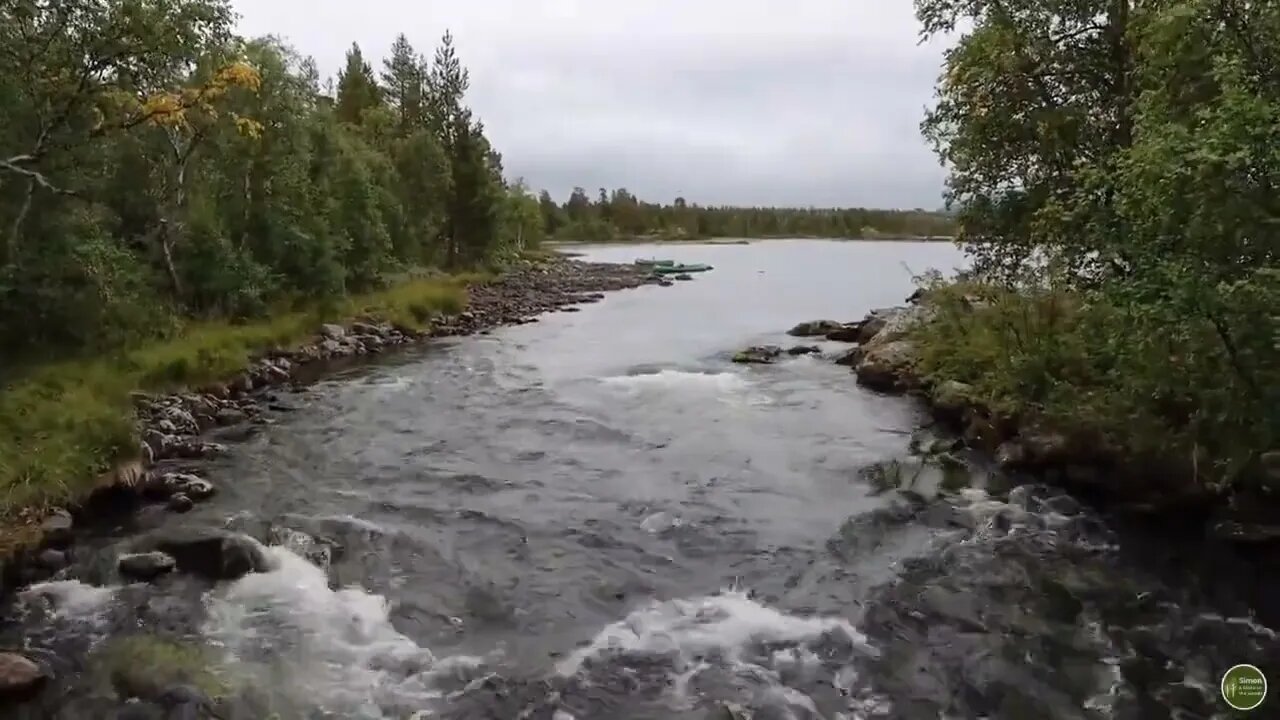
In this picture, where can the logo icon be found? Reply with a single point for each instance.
(1244, 687)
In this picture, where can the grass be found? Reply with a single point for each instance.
(63, 425)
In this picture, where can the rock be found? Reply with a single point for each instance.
(364, 328)
(887, 367)
(1270, 462)
(52, 560)
(242, 385)
(729, 711)
(329, 331)
(1011, 454)
(332, 348)
(815, 328)
(803, 350)
(56, 530)
(145, 566)
(193, 486)
(180, 503)
(684, 276)
(851, 358)
(950, 398)
(230, 416)
(20, 677)
(1245, 533)
(1045, 446)
(758, 354)
(194, 450)
(846, 333)
(158, 443)
(209, 553)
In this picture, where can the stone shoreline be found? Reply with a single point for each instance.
(884, 359)
(175, 428)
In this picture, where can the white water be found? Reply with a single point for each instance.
(337, 648)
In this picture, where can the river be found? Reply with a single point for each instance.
(598, 516)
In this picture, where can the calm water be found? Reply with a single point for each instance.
(599, 516)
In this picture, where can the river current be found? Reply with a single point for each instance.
(598, 516)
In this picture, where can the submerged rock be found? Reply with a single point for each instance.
(758, 354)
(56, 530)
(145, 566)
(20, 677)
(804, 350)
(208, 553)
(815, 328)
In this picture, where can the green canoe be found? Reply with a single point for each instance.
(678, 269)
(656, 263)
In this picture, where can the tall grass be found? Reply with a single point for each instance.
(63, 425)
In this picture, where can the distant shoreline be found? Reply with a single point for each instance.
(651, 240)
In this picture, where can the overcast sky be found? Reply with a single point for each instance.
(769, 102)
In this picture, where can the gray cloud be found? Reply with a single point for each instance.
(804, 102)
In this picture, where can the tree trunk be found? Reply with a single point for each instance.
(15, 231)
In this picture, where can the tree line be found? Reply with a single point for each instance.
(1117, 164)
(619, 214)
(156, 166)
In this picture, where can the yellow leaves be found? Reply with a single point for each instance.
(248, 127)
(178, 109)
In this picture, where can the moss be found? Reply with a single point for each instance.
(144, 666)
(62, 425)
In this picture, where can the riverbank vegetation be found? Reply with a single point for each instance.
(621, 216)
(174, 198)
(1114, 171)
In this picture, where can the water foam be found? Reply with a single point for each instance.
(729, 625)
(681, 380)
(337, 648)
(71, 600)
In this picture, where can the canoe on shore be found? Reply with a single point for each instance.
(655, 263)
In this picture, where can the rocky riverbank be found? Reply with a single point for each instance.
(178, 430)
(1023, 444)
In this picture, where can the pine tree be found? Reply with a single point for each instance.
(357, 89)
(404, 83)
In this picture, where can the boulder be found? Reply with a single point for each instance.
(888, 325)
(851, 358)
(56, 529)
(815, 328)
(145, 566)
(207, 552)
(804, 350)
(846, 333)
(364, 328)
(684, 276)
(180, 503)
(758, 354)
(329, 331)
(950, 398)
(52, 560)
(20, 677)
(230, 416)
(1011, 455)
(887, 367)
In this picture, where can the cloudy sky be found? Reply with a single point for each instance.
(770, 102)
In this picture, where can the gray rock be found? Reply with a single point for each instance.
(758, 354)
(846, 333)
(145, 566)
(803, 350)
(887, 367)
(180, 503)
(1011, 454)
(51, 559)
(364, 328)
(193, 486)
(729, 711)
(950, 398)
(332, 348)
(230, 416)
(208, 553)
(56, 530)
(20, 677)
(815, 328)
(242, 385)
(851, 358)
(330, 331)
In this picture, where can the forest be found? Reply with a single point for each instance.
(619, 215)
(1115, 168)
(158, 168)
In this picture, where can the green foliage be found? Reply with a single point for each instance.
(146, 666)
(1119, 160)
(620, 215)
